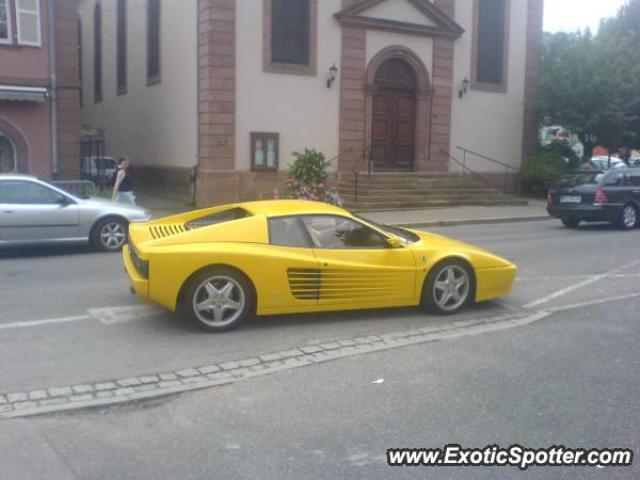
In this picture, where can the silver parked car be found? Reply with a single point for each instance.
(33, 211)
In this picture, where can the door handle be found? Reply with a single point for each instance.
(8, 211)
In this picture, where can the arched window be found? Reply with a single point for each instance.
(8, 155)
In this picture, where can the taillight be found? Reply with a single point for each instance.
(550, 195)
(601, 197)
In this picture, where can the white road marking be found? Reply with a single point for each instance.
(107, 316)
(589, 303)
(576, 286)
(113, 315)
(48, 321)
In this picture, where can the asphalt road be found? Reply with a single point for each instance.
(67, 317)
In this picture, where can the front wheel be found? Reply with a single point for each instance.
(628, 218)
(109, 235)
(218, 299)
(449, 287)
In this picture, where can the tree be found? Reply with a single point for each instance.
(590, 84)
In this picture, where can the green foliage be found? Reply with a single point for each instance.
(542, 169)
(308, 178)
(590, 83)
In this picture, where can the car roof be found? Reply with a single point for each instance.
(276, 208)
(16, 176)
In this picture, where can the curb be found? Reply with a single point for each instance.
(479, 221)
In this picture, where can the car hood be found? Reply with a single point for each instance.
(106, 204)
(481, 258)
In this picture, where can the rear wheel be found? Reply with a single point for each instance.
(109, 234)
(570, 222)
(628, 217)
(218, 299)
(449, 287)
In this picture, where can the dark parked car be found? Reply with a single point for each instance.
(595, 196)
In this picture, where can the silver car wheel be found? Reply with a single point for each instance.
(451, 288)
(629, 216)
(219, 301)
(113, 235)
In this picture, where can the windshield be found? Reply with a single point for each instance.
(395, 231)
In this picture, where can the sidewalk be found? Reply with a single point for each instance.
(467, 215)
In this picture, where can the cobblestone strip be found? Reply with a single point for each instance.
(106, 393)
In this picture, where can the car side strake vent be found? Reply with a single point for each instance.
(304, 283)
(162, 231)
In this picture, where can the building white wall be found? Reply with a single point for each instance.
(490, 123)
(156, 125)
(399, 10)
(301, 108)
(421, 46)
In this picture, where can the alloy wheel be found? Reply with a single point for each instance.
(113, 235)
(219, 301)
(629, 216)
(451, 287)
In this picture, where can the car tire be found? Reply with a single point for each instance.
(109, 234)
(450, 278)
(570, 222)
(218, 299)
(628, 219)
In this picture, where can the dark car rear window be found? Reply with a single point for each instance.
(577, 179)
(216, 218)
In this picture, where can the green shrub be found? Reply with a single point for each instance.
(542, 169)
(308, 178)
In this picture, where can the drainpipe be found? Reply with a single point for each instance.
(53, 95)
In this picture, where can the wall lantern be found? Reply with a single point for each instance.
(464, 87)
(333, 74)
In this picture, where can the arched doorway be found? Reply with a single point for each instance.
(398, 108)
(393, 116)
(8, 154)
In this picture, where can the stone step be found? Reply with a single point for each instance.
(417, 191)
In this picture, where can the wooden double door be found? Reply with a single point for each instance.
(393, 122)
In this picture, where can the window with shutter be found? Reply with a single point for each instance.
(121, 47)
(28, 22)
(491, 44)
(5, 22)
(153, 42)
(290, 31)
(97, 53)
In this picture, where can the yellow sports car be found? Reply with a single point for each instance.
(220, 265)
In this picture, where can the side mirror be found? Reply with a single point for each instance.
(63, 201)
(395, 242)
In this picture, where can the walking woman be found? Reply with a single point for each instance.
(123, 185)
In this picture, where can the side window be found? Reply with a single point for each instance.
(634, 179)
(287, 232)
(613, 180)
(335, 232)
(27, 193)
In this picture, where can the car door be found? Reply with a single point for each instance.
(291, 267)
(634, 184)
(357, 267)
(31, 211)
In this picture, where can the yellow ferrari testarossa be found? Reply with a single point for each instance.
(220, 265)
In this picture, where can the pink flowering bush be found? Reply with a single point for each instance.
(308, 178)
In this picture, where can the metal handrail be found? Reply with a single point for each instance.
(472, 173)
(484, 157)
(366, 155)
(508, 168)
